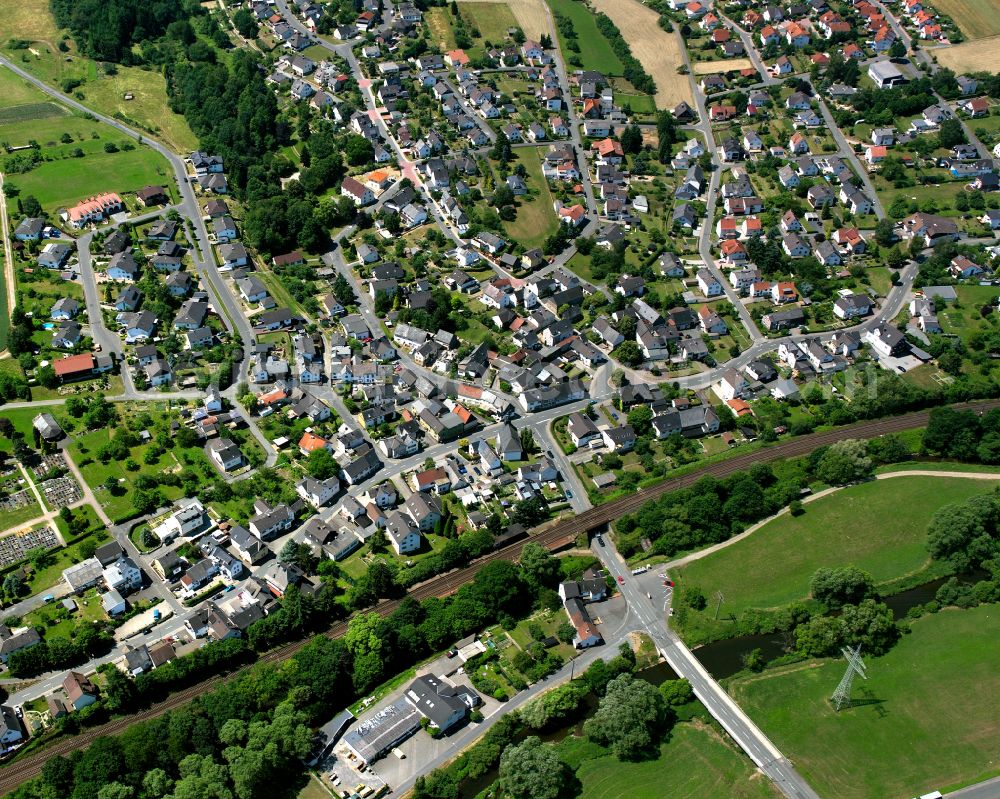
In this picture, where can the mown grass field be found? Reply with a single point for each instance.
(492, 20)
(595, 51)
(931, 720)
(878, 526)
(536, 220)
(695, 763)
(57, 184)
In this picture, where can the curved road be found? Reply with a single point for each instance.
(556, 536)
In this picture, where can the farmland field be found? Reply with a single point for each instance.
(977, 19)
(491, 19)
(530, 15)
(878, 526)
(658, 51)
(929, 719)
(980, 55)
(595, 50)
(729, 65)
(30, 111)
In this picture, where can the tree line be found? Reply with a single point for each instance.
(633, 71)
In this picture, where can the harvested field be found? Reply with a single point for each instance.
(981, 55)
(977, 19)
(729, 65)
(658, 51)
(491, 19)
(531, 16)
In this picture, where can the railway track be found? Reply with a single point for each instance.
(555, 537)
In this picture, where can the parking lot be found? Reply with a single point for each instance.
(14, 547)
(341, 774)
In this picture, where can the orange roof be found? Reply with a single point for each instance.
(877, 151)
(74, 364)
(739, 407)
(727, 223)
(472, 392)
(311, 442)
(97, 203)
(607, 146)
(573, 212)
(379, 175)
(463, 413)
(752, 223)
(273, 396)
(730, 246)
(457, 57)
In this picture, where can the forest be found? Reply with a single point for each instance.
(107, 29)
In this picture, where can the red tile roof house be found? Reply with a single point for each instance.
(572, 215)
(722, 113)
(76, 367)
(93, 209)
(289, 259)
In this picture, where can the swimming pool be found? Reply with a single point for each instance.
(48, 325)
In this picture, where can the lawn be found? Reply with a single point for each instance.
(536, 220)
(878, 526)
(694, 762)
(119, 505)
(314, 790)
(58, 621)
(21, 419)
(928, 723)
(14, 518)
(964, 319)
(57, 184)
(595, 50)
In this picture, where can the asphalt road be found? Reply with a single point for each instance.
(988, 789)
(204, 259)
(746, 734)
